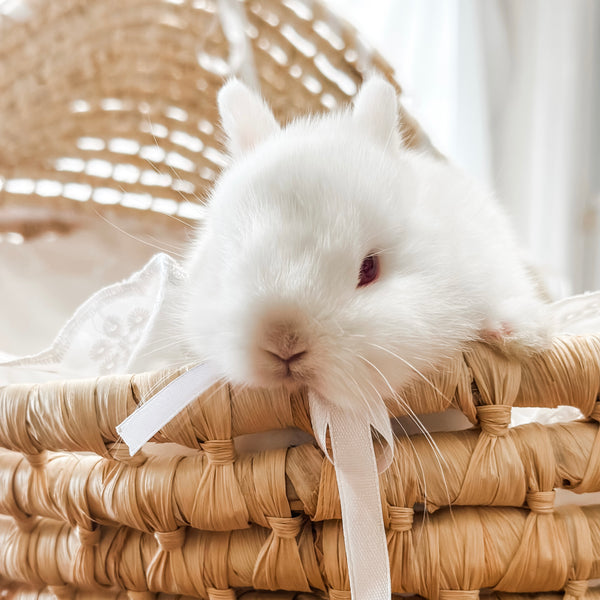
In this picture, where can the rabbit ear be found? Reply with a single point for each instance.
(376, 109)
(246, 118)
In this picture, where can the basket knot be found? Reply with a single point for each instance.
(576, 588)
(170, 540)
(26, 523)
(280, 547)
(401, 518)
(459, 594)
(37, 460)
(88, 537)
(286, 527)
(215, 594)
(219, 452)
(339, 594)
(494, 419)
(541, 502)
(61, 592)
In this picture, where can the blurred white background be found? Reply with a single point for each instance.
(509, 90)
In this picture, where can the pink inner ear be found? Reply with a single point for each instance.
(497, 335)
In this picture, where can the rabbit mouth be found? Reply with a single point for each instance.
(289, 370)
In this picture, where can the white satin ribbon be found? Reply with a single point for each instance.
(151, 416)
(356, 468)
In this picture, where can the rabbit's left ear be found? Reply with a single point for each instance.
(376, 109)
(246, 118)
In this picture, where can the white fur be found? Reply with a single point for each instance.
(247, 120)
(292, 218)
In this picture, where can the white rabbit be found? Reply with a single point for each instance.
(331, 256)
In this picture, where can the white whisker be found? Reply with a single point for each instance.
(436, 451)
(410, 366)
(133, 237)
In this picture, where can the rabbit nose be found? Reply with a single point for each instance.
(286, 357)
(286, 348)
(284, 341)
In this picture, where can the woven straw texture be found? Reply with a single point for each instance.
(204, 525)
(112, 106)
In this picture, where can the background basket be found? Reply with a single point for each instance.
(110, 106)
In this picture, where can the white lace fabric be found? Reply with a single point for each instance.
(109, 333)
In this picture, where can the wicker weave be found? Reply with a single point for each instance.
(109, 105)
(188, 525)
(83, 520)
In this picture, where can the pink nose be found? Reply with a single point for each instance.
(283, 340)
(286, 357)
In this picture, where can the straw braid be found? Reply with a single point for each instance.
(82, 415)
(165, 493)
(467, 549)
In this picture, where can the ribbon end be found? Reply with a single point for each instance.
(133, 451)
(149, 417)
(133, 446)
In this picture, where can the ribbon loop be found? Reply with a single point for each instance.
(356, 470)
(148, 418)
(356, 467)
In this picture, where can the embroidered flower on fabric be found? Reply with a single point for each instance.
(119, 336)
(137, 319)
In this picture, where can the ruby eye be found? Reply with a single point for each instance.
(369, 270)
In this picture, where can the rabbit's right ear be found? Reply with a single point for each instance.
(376, 110)
(246, 118)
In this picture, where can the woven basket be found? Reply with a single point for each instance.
(133, 84)
(109, 106)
